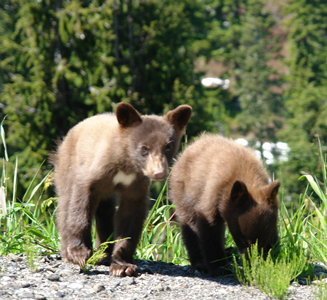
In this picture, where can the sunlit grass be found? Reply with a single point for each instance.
(271, 276)
(161, 238)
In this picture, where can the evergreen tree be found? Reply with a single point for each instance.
(67, 60)
(261, 115)
(306, 95)
(55, 76)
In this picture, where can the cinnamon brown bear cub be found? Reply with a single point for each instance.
(217, 181)
(103, 157)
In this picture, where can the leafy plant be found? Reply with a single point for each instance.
(26, 218)
(317, 231)
(271, 277)
(32, 257)
(161, 238)
(98, 254)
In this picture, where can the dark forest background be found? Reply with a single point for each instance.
(62, 61)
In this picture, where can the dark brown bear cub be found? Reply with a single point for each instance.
(217, 181)
(105, 156)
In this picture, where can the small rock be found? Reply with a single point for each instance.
(40, 297)
(99, 288)
(128, 281)
(14, 257)
(5, 278)
(54, 265)
(54, 277)
(160, 288)
(26, 284)
(27, 295)
(75, 286)
(60, 294)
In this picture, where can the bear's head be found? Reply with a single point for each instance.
(251, 216)
(153, 141)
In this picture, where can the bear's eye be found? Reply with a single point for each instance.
(168, 148)
(144, 151)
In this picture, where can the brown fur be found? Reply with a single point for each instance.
(217, 181)
(103, 157)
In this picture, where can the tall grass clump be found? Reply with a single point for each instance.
(27, 217)
(161, 238)
(271, 276)
(317, 231)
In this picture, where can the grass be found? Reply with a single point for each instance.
(30, 218)
(27, 219)
(27, 225)
(97, 255)
(161, 238)
(271, 276)
(320, 289)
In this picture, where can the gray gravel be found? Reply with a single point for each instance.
(54, 279)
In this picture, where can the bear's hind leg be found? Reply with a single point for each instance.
(62, 213)
(104, 218)
(212, 242)
(192, 244)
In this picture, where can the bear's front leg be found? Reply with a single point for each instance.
(77, 230)
(128, 226)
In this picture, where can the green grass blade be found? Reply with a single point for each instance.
(32, 183)
(3, 138)
(15, 183)
(3, 203)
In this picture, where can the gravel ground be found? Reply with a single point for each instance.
(57, 280)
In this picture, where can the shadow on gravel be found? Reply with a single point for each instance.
(169, 269)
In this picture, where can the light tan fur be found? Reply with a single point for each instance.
(104, 157)
(215, 181)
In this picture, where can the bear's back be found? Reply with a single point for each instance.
(85, 144)
(214, 162)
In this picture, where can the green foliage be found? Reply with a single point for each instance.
(97, 255)
(161, 237)
(32, 258)
(318, 230)
(306, 88)
(271, 277)
(262, 107)
(30, 219)
(320, 289)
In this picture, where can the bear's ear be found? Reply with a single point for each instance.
(238, 192)
(272, 191)
(180, 116)
(127, 115)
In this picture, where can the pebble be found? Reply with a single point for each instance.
(55, 280)
(54, 277)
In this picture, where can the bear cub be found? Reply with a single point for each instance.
(103, 158)
(217, 181)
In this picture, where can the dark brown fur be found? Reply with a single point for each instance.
(103, 157)
(217, 181)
